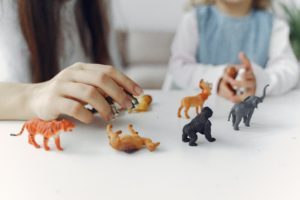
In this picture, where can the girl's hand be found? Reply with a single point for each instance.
(82, 84)
(248, 81)
(225, 88)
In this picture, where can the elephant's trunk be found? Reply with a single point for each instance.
(264, 94)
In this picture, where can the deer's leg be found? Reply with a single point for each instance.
(46, 147)
(186, 111)
(33, 142)
(197, 109)
(57, 143)
(179, 111)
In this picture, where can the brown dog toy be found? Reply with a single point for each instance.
(129, 143)
(195, 101)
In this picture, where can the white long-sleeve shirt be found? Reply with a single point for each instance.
(281, 72)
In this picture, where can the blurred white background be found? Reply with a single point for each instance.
(156, 15)
(148, 28)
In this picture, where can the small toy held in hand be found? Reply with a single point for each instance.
(116, 109)
(200, 124)
(195, 101)
(232, 72)
(143, 105)
(47, 129)
(245, 109)
(129, 143)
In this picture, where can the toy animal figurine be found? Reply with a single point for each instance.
(245, 109)
(200, 124)
(47, 129)
(232, 72)
(237, 75)
(129, 143)
(144, 103)
(116, 109)
(195, 101)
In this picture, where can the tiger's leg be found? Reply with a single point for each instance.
(46, 147)
(32, 141)
(57, 143)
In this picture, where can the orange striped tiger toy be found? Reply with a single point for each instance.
(47, 129)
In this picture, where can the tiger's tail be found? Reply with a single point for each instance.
(22, 130)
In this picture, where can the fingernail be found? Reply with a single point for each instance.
(138, 90)
(128, 104)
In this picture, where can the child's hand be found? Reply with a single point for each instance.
(78, 85)
(248, 81)
(225, 88)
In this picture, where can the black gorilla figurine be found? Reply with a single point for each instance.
(200, 124)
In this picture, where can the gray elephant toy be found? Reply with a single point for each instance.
(245, 109)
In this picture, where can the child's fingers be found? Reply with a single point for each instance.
(74, 109)
(117, 76)
(104, 83)
(89, 95)
(245, 61)
(248, 75)
(243, 84)
(227, 79)
(225, 91)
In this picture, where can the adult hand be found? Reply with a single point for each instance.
(80, 84)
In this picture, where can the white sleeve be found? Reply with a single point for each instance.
(183, 66)
(14, 55)
(282, 70)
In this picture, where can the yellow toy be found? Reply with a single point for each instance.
(144, 104)
(195, 101)
(129, 143)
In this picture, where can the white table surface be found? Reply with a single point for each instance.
(261, 162)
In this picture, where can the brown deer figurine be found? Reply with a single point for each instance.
(196, 101)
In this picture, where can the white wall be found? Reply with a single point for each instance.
(157, 15)
(154, 15)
